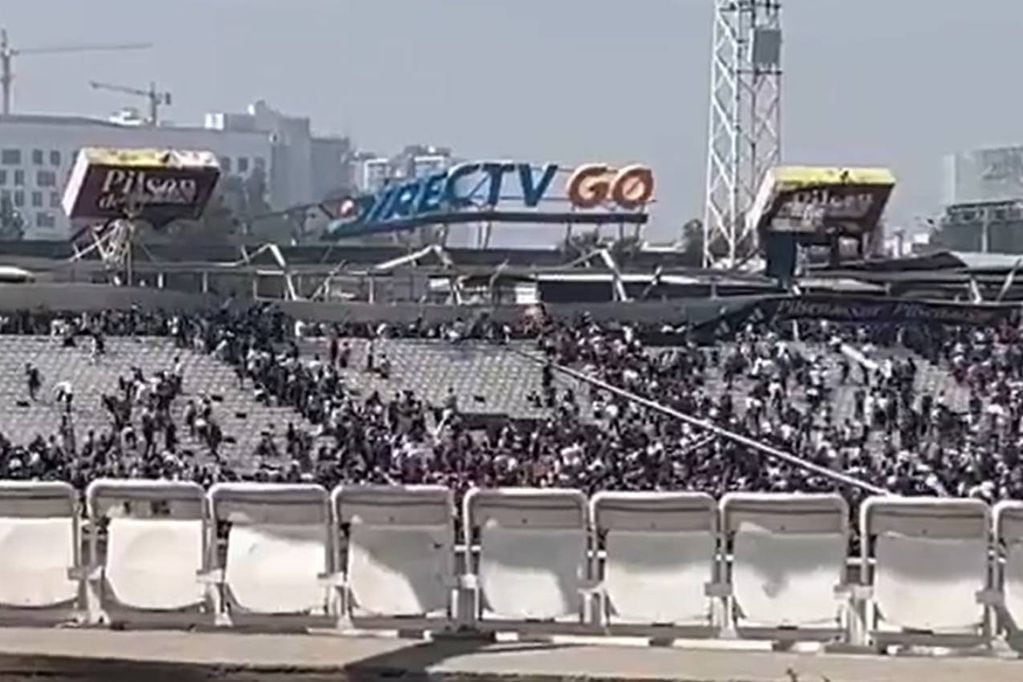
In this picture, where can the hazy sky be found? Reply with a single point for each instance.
(879, 82)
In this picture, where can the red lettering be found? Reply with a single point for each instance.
(594, 184)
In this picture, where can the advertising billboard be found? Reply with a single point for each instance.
(811, 200)
(503, 191)
(158, 185)
(984, 176)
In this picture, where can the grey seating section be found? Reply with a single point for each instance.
(932, 379)
(240, 416)
(486, 378)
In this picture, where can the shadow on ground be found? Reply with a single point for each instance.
(409, 664)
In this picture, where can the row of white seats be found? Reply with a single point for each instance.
(668, 565)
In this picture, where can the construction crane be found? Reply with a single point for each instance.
(156, 98)
(7, 54)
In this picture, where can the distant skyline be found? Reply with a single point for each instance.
(871, 82)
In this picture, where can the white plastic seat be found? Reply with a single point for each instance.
(145, 552)
(532, 563)
(278, 554)
(39, 552)
(1008, 536)
(930, 572)
(788, 563)
(400, 553)
(154, 560)
(661, 551)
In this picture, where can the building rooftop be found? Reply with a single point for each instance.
(57, 119)
(67, 120)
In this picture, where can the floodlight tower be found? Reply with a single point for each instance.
(744, 137)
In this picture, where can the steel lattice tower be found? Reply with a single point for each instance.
(744, 137)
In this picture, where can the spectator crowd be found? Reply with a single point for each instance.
(849, 399)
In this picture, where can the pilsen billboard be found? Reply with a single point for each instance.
(156, 185)
(502, 191)
(814, 200)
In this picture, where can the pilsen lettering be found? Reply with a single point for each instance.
(147, 188)
(944, 313)
(889, 311)
(860, 309)
(829, 309)
(835, 205)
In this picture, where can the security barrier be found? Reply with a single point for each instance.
(661, 565)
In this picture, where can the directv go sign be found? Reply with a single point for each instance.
(502, 192)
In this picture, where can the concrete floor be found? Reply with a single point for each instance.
(60, 655)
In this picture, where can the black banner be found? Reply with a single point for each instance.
(864, 310)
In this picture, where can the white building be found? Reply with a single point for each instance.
(372, 172)
(37, 153)
(304, 168)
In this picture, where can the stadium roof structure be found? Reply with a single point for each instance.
(958, 275)
(632, 274)
(958, 261)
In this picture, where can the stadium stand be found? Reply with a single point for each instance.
(474, 487)
(242, 418)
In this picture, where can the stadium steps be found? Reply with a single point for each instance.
(240, 416)
(488, 380)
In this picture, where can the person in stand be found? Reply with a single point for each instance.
(191, 417)
(98, 347)
(178, 375)
(148, 431)
(170, 436)
(64, 394)
(333, 351)
(34, 380)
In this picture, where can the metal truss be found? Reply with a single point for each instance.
(744, 136)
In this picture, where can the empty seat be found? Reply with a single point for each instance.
(278, 552)
(930, 569)
(532, 562)
(788, 558)
(39, 550)
(400, 552)
(155, 548)
(660, 551)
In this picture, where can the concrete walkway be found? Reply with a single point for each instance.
(228, 657)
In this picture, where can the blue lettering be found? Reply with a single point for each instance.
(363, 207)
(532, 194)
(496, 171)
(404, 202)
(451, 193)
(431, 193)
(381, 206)
(452, 190)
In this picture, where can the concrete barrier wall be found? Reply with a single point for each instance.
(94, 297)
